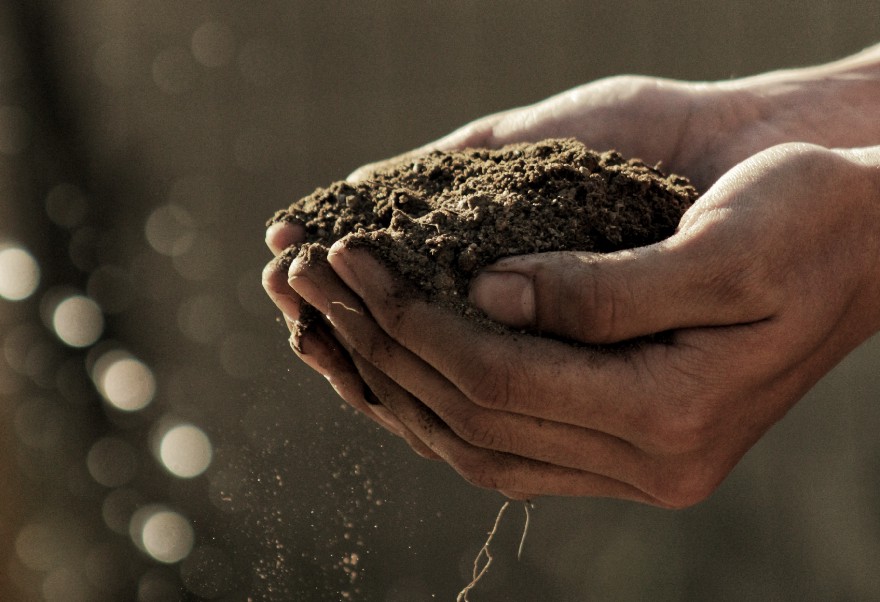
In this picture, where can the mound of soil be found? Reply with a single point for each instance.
(441, 218)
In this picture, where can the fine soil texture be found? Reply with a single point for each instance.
(439, 219)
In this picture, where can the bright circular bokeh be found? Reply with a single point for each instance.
(125, 382)
(185, 451)
(78, 321)
(19, 274)
(164, 534)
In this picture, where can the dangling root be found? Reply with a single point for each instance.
(522, 540)
(479, 571)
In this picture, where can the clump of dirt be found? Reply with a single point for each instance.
(441, 218)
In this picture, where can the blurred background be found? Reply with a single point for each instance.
(159, 440)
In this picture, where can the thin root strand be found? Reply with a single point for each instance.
(479, 571)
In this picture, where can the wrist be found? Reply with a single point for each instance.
(833, 105)
(863, 193)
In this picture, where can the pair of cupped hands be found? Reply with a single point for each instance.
(769, 281)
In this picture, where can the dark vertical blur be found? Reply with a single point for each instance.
(157, 439)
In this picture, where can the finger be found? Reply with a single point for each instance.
(696, 278)
(319, 350)
(555, 442)
(603, 391)
(404, 374)
(379, 384)
(312, 341)
(491, 469)
(577, 113)
(279, 291)
(336, 361)
(282, 234)
(518, 495)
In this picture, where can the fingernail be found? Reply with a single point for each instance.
(310, 292)
(337, 256)
(508, 297)
(388, 419)
(282, 232)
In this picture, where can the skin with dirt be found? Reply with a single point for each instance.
(440, 219)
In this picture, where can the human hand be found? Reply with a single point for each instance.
(646, 117)
(315, 342)
(698, 129)
(769, 282)
(592, 111)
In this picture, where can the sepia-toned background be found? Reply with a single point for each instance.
(158, 439)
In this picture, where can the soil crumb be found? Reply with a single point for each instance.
(439, 219)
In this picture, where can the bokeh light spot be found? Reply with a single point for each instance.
(185, 451)
(201, 318)
(164, 534)
(118, 508)
(10, 383)
(213, 44)
(170, 230)
(66, 205)
(112, 461)
(65, 584)
(38, 423)
(201, 262)
(19, 274)
(77, 320)
(37, 546)
(124, 381)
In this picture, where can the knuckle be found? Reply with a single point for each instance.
(741, 276)
(633, 85)
(603, 312)
(803, 155)
(375, 349)
(599, 299)
(479, 471)
(686, 485)
(480, 430)
(274, 278)
(685, 430)
(491, 390)
(742, 281)
(392, 315)
(487, 381)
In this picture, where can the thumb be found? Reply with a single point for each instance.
(678, 283)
